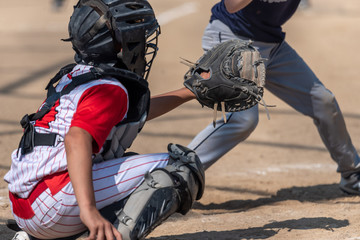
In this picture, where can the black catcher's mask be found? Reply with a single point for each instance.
(121, 33)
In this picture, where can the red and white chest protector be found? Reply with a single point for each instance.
(96, 107)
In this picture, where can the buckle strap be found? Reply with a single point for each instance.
(27, 140)
(45, 139)
(31, 138)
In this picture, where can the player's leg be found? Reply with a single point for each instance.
(173, 181)
(215, 33)
(57, 215)
(212, 143)
(290, 78)
(164, 192)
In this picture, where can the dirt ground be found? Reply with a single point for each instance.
(279, 184)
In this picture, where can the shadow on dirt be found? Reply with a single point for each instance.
(267, 231)
(303, 194)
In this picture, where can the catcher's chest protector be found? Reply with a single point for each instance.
(121, 136)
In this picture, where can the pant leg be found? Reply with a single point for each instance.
(212, 143)
(289, 78)
(58, 215)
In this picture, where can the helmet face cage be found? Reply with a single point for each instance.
(151, 50)
(119, 32)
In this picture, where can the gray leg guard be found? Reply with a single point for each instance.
(186, 166)
(164, 192)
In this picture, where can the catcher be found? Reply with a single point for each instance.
(71, 172)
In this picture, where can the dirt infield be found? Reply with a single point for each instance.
(279, 184)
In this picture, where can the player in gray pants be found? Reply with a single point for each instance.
(287, 77)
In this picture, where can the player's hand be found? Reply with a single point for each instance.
(99, 227)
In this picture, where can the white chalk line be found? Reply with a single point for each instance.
(285, 168)
(177, 12)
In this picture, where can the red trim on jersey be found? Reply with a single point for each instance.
(57, 181)
(22, 206)
(100, 108)
(47, 118)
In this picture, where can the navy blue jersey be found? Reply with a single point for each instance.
(261, 20)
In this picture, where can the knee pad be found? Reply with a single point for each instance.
(185, 165)
(163, 192)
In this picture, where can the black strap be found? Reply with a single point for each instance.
(44, 139)
(52, 98)
(64, 70)
(31, 138)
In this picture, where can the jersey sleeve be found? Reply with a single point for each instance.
(100, 108)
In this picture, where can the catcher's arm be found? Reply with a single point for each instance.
(233, 6)
(78, 146)
(165, 102)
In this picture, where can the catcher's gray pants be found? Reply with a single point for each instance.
(289, 78)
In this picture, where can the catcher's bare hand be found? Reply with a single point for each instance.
(99, 227)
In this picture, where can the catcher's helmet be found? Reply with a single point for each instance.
(122, 33)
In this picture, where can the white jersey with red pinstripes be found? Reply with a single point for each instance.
(27, 170)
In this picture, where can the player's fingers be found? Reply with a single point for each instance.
(92, 235)
(116, 233)
(109, 231)
(100, 234)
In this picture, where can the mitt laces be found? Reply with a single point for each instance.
(222, 104)
(263, 103)
(258, 99)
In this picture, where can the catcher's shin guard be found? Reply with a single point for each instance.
(164, 192)
(186, 166)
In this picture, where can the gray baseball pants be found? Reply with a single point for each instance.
(289, 78)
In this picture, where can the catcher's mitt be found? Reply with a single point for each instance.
(236, 77)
